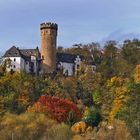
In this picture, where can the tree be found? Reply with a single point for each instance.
(6, 64)
(55, 108)
(108, 59)
(118, 92)
(131, 110)
(92, 116)
(130, 51)
(18, 91)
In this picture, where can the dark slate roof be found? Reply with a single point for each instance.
(27, 53)
(13, 52)
(68, 58)
(24, 53)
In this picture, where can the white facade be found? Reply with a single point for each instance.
(19, 64)
(77, 62)
(68, 68)
(27, 66)
(16, 63)
(33, 60)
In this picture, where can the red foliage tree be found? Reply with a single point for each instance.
(58, 108)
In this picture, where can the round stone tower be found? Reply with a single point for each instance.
(48, 46)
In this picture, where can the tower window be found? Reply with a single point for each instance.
(14, 59)
(14, 66)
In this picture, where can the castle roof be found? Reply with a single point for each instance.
(24, 53)
(27, 53)
(66, 57)
(12, 52)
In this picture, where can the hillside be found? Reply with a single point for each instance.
(99, 104)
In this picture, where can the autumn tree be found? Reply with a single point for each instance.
(117, 95)
(18, 91)
(6, 64)
(131, 111)
(56, 108)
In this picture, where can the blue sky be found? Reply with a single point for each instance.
(80, 21)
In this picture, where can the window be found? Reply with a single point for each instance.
(14, 66)
(78, 66)
(14, 59)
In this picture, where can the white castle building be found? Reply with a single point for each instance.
(27, 60)
(45, 61)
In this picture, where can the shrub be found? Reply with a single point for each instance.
(79, 127)
(22, 127)
(58, 132)
(32, 126)
(92, 117)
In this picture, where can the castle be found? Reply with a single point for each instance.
(45, 61)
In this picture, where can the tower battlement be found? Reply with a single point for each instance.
(48, 25)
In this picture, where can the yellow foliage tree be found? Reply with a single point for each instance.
(118, 87)
(137, 74)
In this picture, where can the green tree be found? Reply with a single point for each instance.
(131, 111)
(130, 51)
(108, 59)
(18, 91)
